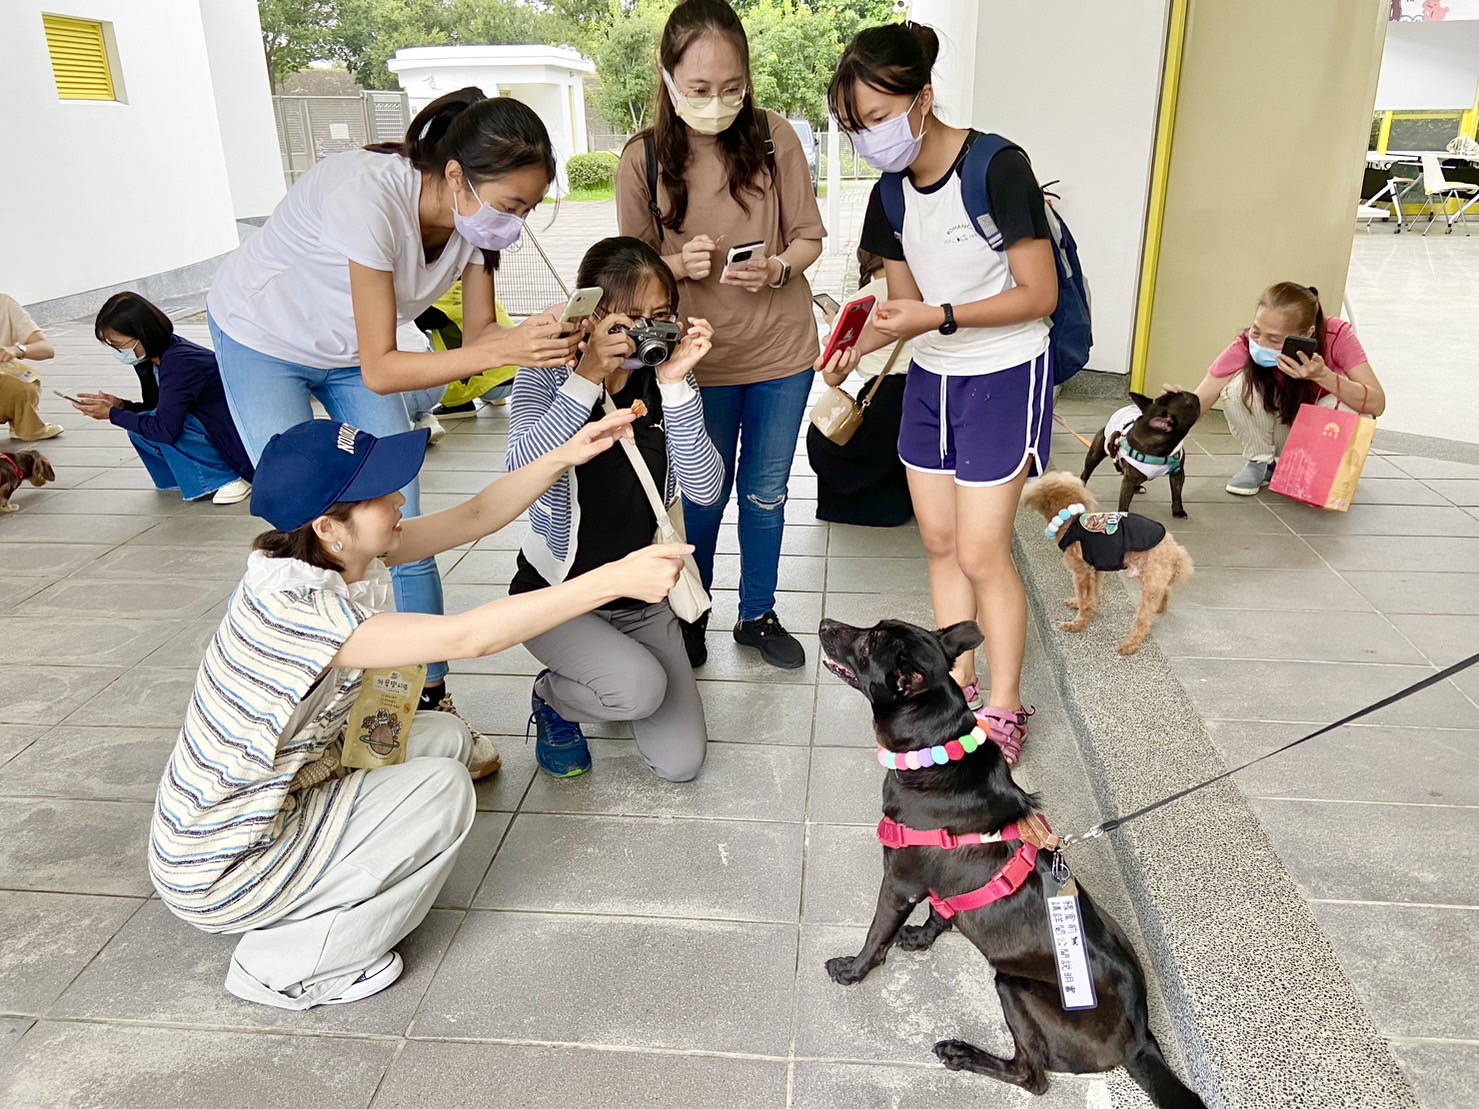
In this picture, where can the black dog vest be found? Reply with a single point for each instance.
(1105, 538)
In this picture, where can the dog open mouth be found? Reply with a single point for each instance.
(1161, 423)
(841, 671)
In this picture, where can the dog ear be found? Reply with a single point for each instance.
(41, 471)
(959, 638)
(909, 683)
(1142, 402)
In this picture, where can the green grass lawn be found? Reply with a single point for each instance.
(582, 196)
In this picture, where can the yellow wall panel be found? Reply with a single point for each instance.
(79, 58)
(1273, 116)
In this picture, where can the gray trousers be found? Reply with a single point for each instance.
(628, 664)
(398, 848)
(1259, 430)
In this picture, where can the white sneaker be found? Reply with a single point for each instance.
(438, 432)
(375, 978)
(233, 492)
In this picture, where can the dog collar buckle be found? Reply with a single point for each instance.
(890, 833)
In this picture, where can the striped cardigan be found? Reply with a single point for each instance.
(229, 848)
(551, 405)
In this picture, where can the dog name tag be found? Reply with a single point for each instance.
(1070, 956)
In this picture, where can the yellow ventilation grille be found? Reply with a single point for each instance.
(79, 58)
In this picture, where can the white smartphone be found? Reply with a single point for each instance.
(582, 303)
(68, 396)
(745, 252)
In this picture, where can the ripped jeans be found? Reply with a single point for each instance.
(759, 426)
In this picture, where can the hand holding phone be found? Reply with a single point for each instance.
(746, 267)
(849, 329)
(1296, 345)
(581, 304)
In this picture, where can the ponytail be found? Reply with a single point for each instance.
(897, 59)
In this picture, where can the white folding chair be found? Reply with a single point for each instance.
(1440, 190)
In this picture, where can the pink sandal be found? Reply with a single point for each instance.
(973, 699)
(1008, 730)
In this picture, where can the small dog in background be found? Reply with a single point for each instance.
(17, 469)
(1147, 440)
(1095, 543)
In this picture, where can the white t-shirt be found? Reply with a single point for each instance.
(285, 291)
(961, 269)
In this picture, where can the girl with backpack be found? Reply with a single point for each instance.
(716, 172)
(978, 402)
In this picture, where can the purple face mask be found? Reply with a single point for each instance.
(892, 146)
(487, 228)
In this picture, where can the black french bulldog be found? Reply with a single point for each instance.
(1153, 439)
(904, 671)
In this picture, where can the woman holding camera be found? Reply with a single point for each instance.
(625, 661)
(1264, 386)
(729, 174)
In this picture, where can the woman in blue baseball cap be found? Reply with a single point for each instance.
(258, 829)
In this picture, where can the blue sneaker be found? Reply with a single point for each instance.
(559, 746)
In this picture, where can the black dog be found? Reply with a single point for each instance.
(1147, 445)
(904, 671)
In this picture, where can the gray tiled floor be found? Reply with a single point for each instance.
(660, 943)
(1296, 617)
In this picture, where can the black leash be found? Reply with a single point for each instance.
(1417, 687)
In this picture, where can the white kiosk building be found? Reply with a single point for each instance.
(550, 79)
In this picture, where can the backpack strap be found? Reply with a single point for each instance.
(764, 118)
(973, 188)
(891, 192)
(649, 145)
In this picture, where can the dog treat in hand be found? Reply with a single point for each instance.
(639, 408)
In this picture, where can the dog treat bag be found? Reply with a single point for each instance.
(380, 722)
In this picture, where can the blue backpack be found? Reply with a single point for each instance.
(1072, 334)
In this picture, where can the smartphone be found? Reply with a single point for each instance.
(849, 327)
(745, 252)
(827, 304)
(582, 303)
(1296, 345)
(66, 396)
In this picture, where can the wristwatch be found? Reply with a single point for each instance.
(20, 350)
(785, 273)
(949, 327)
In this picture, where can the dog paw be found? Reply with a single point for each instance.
(1071, 604)
(915, 937)
(1073, 625)
(1181, 515)
(841, 970)
(1128, 649)
(10, 508)
(955, 1054)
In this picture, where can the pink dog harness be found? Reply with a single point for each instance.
(1005, 882)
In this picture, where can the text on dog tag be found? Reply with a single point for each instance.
(1070, 956)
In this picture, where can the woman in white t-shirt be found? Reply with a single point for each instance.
(978, 402)
(367, 240)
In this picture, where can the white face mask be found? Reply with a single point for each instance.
(711, 118)
(128, 357)
(892, 146)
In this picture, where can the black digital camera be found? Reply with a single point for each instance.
(656, 340)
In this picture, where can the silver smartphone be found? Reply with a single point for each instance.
(582, 303)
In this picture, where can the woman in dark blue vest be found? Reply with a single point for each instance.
(182, 428)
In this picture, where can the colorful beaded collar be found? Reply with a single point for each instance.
(1062, 518)
(938, 755)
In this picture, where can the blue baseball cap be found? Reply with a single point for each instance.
(309, 468)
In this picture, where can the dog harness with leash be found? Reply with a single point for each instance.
(1032, 832)
(1151, 465)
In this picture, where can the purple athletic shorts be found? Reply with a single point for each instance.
(981, 429)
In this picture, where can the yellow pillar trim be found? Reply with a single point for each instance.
(1385, 134)
(1159, 178)
(1468, 127)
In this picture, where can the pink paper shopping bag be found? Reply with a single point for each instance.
(1323, 459)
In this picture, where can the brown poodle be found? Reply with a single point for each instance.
(17, 469)
(1098, 542)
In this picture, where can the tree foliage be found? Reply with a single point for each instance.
(624, 48)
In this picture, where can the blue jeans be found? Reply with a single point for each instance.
(190, 464)
(766, 419)
(268, 395)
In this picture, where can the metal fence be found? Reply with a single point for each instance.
(310, 128)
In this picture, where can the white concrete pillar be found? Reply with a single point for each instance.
(243, 95)
(956, 22)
